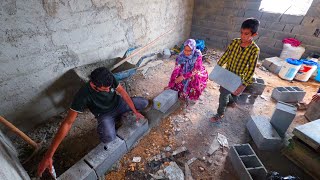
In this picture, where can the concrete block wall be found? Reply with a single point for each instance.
(41, 40)
(219, 21)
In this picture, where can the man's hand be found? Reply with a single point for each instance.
(179, 79)
(239, 90)
(138, 116)
(46, 163)
(316, 97)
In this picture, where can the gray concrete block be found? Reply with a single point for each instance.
(222, 26)
(290, 94)
(79, 171)
(269, 33)
(283, 35)
(130, 130)
(225, 78)
(101, 160)
(313, 111)
(273, 64)
(253, 13)
(272, 17)
(230, 12)
(252, 5)
(310, 21)
(263, 134)
(308, 40)
(165, 100)
(256, 88)
(304, 30)
(309, 133)
(246, 163)
(291, 19)
(154, 116)
(278, 44)
(282, 117)
(266, 41)
(288, 28)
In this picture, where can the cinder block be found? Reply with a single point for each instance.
(309, 133)
(273, 64)
(101, 160)
(272, 17)
(263, 134)
(252, 5)
(79, 171)
(256, 88)
(290, 94)
(282, 117)
(131, 131)
(304, 30)
(313, 111)
(252, 13)
(288, 28)
(225, 78)
(154, 116)
(246, 162)
(283, 35)
(165, 100)
(291, 19)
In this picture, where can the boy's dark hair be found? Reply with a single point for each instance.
(252, 24)
(101, 77)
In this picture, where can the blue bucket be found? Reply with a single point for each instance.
(317, 78)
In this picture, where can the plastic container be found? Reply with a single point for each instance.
(289, 51)
(307, 69)
(317, 78)
(290, 69)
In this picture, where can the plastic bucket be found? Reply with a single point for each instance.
(317, 78)
(307, 69)
(290, 69)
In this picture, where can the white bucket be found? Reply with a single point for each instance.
(307, 69)
(289, 51)
(290, 69)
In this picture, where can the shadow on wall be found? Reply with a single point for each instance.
(57, 98)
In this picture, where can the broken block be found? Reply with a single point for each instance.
(165, 100)
(247, 99)
(263, 134)
(313, 111)
(309, 133)
(256, 88)
(101, 159)
(225, 78)
(282, 117)
(246, 162)
(290, 94)
(79, 171)
(131, 130)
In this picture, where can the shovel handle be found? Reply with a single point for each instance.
(18, 132)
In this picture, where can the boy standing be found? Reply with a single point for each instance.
(240, 58)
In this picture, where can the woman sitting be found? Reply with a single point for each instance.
(189, 76)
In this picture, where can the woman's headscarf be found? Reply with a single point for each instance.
(189, 61)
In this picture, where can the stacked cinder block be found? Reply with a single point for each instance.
(246, 162)
(263, 134)
(165, 100)
(225, 78)
(79, 171)
(273, 64)
(252, 91)
(289, 94)
(282, 117)
(313, 111)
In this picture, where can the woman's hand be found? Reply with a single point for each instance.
(179, 79)
(167, 88)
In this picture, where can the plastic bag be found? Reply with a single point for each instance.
(276, 176)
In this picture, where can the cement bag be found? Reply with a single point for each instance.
(289, 51)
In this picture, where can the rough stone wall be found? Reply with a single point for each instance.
(40, 40)
(219, 21)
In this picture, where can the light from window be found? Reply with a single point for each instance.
(295, 7)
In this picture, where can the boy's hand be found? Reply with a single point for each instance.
(179, 79)
(239, 90)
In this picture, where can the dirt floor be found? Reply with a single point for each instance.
(189, 127)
